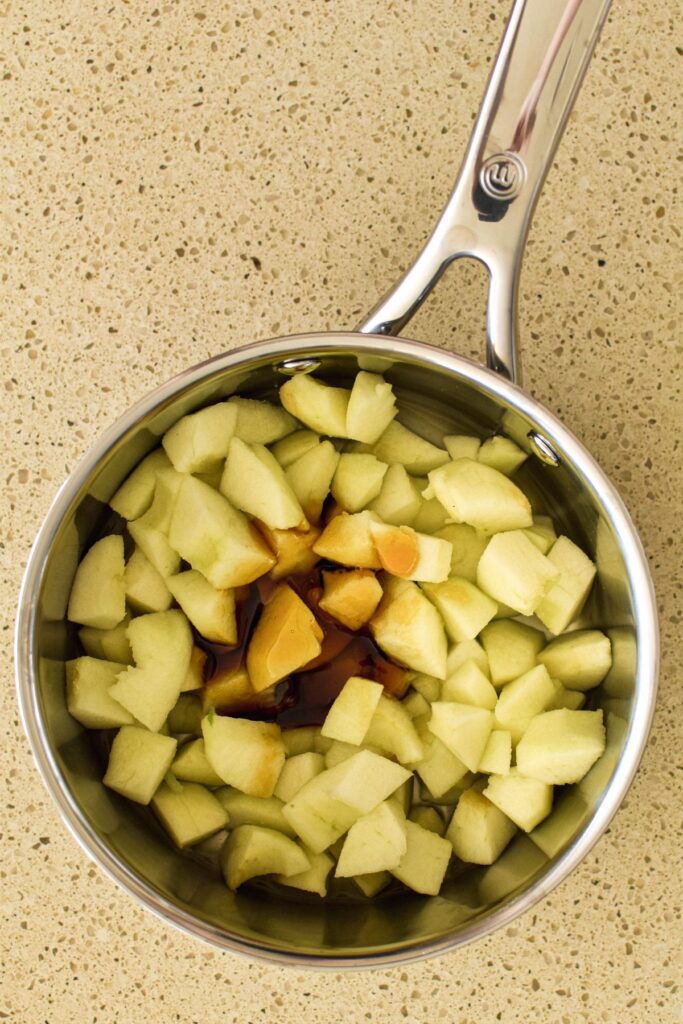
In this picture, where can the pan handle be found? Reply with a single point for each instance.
(540, 65)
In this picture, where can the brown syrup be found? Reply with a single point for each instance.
(305, 697)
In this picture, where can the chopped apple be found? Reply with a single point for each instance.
(189, 813)
(566, 597)
(479, 831)
(411, 555)
(316, 816)
(98, 592)
(619, 681)
(592, 784)
(347, 539)
(255, 482)
(365, 780)
(464, 608)
(439, 768)
(523, 699)
(357, 480)
(512, 570)
(568, 815)
(398, 444)
(467, 547)
(228, 691)
(251, 850)
(87, 693)
(560, 746)
(301, 739)
(211, 611)
(292, 447)
(427, 686)
(416, 705)
(156, 546)
(376, 842)
(146, 590)
(338, 752)
(580, 660)
(409, 628)
(511, 648)
(526, 801)
(462, 446)
(351, 713)
(350, 597)
(286, 637)
(192, 765)
(564, 698)
(296, 772)
(108, 644)
(481, 496)
(391, 729)
(260, 422)
(427, 818)
(138, 761)
(425, 862)
(135, 494)
(502, 454)
(158, 515)
(469, 685)
(194, 678)
(162, 649)
(292, 548)
(216, 539)
(373, 883)
(399, 500)
(254, 810)
(371, 407)
(542, 533)
(431, 517)
(463, 728)
(247, 755)
(310, 478)
(467, 650)
(319, 406)
(186, 715)
(497, 756)
(313, 879)
(198, 441)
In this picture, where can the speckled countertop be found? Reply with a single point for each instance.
(182, 178)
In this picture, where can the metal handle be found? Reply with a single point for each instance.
(540, 65)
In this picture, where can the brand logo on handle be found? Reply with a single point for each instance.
(502, 176)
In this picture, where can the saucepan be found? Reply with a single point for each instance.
(543, 56)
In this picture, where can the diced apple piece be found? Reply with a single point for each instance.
(439, 769)
(579, 660)
(427, 686)
(398, 444)
(108, 644)
(592, 784)
(425, 862)
(399, 500)
(511, 648)
(411, 555)
(351, 597)
(296, 772)
(194, 679)
(216, 539)
(347, 539)
(479, 831)
(561, 826)
(432, 516)
(512, 570)
(246, 755)
(469, 685)
(87, 693)
(427, 818)
(292, 548)
(138, 761)
(146, 590)
(156, 547)
(158, 516)
(310, 477)
(559, 747)
(526, 801)
(497, 756)
(462, 446)
(365, 780)
(523, 699)
(186, 715)
(314, 879)
(564, 698)
(198, 441)
(463, 728)
(319, 406)
(317, 817)
(286, 637)
(467, 650)
(467, 547)
(228, 691)
(98, 592)
(192, 765)
(255, 482)
(502, 454)
(464, 608)
(260, 422)
(292, 447)
(254, 810)
(351, 713)
(542, 533)
(619, 681)
(338, 752)
(251, 850)
(357, 480)
(211, 611)
(162, 648)
(301, 740)
(135, 494)
(391, 729)
(416, 705)
(481, 496)
(189, 813)
(409, 628)
(567, 596)
(371, 407)
(373, 883)
(376, 842)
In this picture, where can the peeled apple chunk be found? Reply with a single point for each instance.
(511, 648)
(247, 755)
(467, 650)
(365, 780)
(162, 649)
(188, 812)
(286, 637)
(292, 447)
(254, 810)
(215, 538)
(357, 480)
(318, 818)
(347, 539)
(467, 547)
(464, 608)
(497, 755)
(399, 500)
(513, 571)
(320, 407)
(255, 482)
(296, 772)
(392, 730)
(371, 407)
(135, 494)
(350, 597)
(580, 660)
(408, 628)
(463, 728)
(260, 422)
(559, 747)
(376, 842)
(154, 544)
(108, 644)
(398, 444)
(198, 441)
(526, 801)
(351, 713)
(251, 850)
(502, 454)
(211, 611)
(566, 597)
(313, 879)
(425, 862)
(523, 699)
(479, 831)
(476, 494)
(146, 590)
(192, 765)
(292, 548)
(439, 769)
(411, 555)
(310, 477)
(98, 592)
(462, 446)
(87, 693)
(428, 818)
(469, 685)
(138, 761)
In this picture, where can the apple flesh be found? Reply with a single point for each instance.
(286, 637)
(98, 592)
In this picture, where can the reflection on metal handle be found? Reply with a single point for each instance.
(542, 60)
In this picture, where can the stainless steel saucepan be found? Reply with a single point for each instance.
(542, 60)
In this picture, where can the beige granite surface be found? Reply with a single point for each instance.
(182, 178)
